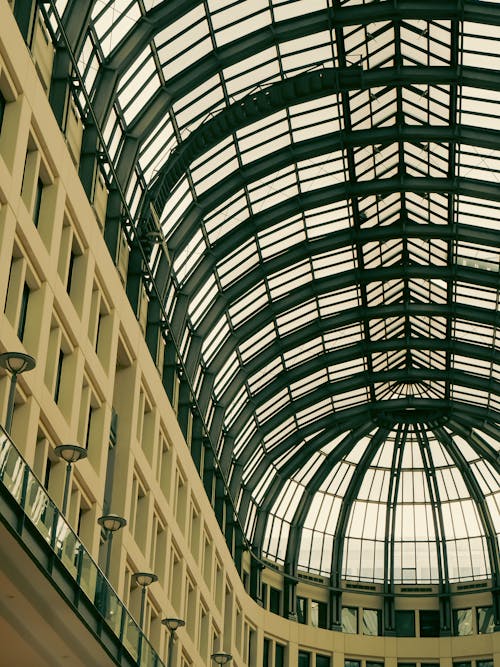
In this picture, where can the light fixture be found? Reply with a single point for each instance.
(71, 454)
(172, 624)
(111, 523)
(221, 658)
(15, 363)
(144, 579)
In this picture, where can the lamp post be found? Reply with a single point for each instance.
(144, 579)
(173, 624)
(221, 658)
(71, 454)
(111, 523)
(16, 363)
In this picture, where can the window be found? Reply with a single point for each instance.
(301, 610)
(3, 104)
(322, 660)
(38, 202)
(429, 623)
(370, 663)
(274, 600)
(372, 622)
(405, 623)
(462, 621)
(23, 311)
(351, 663)
(485, 621)
(266, 661)
(279, 656)
(57, 387)
(319, 614)
(350, 620)
(304, 659)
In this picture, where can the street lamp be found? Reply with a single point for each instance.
(144, 579)
(111, 523)
(15, 363)
(173, 624)
(71, 454)
(221, 658)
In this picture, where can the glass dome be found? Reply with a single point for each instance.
(310, 192)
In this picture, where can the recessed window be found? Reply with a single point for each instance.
(485, 621)
(23, 311)
(319, 614)
(429, 623)
(304, 659)
(350, 620)
(372, 622)
(3, 104)
(301, 610)
(405, 623)
(38, 202)
(462, 621)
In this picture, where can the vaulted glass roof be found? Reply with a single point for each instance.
(312, 188)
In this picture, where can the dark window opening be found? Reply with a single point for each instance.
(38, 202)
(405, 623)
(429, 623)
(23, 312)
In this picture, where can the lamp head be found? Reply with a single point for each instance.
(173, 624)
(144, 578)
(71, 453)
(17, 362)
(112, 522)
(221, 658)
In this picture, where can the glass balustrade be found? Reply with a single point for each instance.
(19, 480)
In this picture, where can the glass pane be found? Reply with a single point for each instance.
(485, 620)
(371, 621)
(350, 620)
(462, 621)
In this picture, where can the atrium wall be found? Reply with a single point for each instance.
(63, 302)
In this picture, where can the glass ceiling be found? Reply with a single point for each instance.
(324, 175)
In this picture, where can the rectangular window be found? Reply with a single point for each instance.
(405, 623)
(322, 660)
(462, 622)
(485, 621)
(301, 610)
(304, 659)
(429, 623)
(23, 311)
(266, 653)
(3, 103)
(372, 622)
(57, 388)
(279, 656)
(319, 614)
(274, 600)
(38, 202)
(350, 620)
(352, 663)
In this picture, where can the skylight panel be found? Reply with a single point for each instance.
(331, 263)
(480, 108)
(296, 318)
(480, 46)
(274, 189)
(257, 342)
(227, 216)
(248, 305)
(327, 219)
(290, 279)
(339, 300)
(252, 73)
(281, 236)
(114, 22)
(239, 20)
(284, 9)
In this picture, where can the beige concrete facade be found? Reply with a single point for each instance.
(92, 360)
